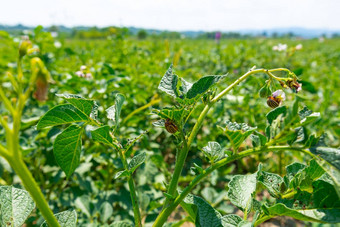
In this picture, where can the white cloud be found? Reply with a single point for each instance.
(175, 14)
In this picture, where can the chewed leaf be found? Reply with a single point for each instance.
(237, 133)
(16, 205)
(136, 161)
(84, 105)
(202, 85)
(169, 82)
(62, 114)
(241, 190)
(213, 151)
(67, 147)
(271, 181)
(65, 219)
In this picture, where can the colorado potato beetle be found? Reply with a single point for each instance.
(170, 126)
(276, 99)
(272, 102)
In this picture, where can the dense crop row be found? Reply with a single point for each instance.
(120, 91)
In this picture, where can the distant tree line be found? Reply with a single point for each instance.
(122, 32)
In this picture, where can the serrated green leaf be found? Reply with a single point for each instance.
(84, 105)
(65, 219)
(213, 151)
(272, 115)
(62, 114)
(231, 220)
(169, 82)
(271, 181)
(136, 161)
(67, 147)
(102, 135)
(206, 215)
(202, 85)
(241, 190)
(113, 112)
(122, 224)
(237, 133)
(16, 206)
(331, 155)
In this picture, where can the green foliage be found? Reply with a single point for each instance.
(237, 133)
(67, 147)
(309, 194)
(136, 161)
(213, 151)
(113, 112)
(62, 114)
(16, 205)
(102, 135)
(88, 142)
(65, 219)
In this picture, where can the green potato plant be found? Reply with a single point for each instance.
(299, 194)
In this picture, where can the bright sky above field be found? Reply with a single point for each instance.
(175, 14)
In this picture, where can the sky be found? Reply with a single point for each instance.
(179, 15)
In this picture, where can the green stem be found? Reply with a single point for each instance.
(162, 217)
(31, 186)
(133, 194)
(178, 169)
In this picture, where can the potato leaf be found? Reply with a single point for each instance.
(67, 147)
(16, 206)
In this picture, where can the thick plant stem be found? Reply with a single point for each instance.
(178, 170)
(162, 217)
(31, 186)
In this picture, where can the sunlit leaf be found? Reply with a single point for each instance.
(67, 147)
(62, 114)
